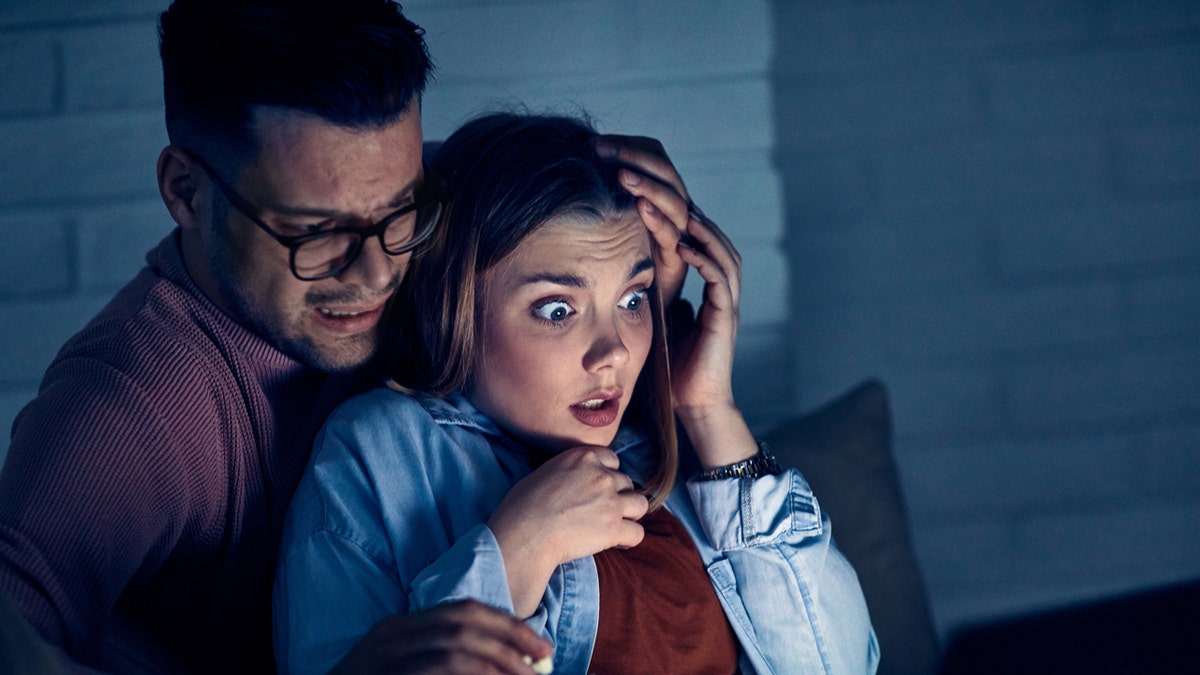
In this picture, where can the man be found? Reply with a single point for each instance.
(145, 486)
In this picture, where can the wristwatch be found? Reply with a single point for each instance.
(762, 464)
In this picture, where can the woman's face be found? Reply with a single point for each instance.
(564, 331)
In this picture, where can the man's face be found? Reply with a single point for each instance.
(308, 175)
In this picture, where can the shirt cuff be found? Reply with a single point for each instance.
(739, 513)
(473, 568)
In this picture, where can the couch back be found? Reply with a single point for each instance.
(844, 450)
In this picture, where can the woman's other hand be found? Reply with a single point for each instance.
(576, 504)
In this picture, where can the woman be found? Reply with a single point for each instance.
(533, 467)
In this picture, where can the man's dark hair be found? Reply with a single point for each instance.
(355, 63)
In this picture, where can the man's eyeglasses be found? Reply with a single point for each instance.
(329, 252)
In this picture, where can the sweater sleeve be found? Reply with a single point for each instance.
(88, 500)
(791, 590)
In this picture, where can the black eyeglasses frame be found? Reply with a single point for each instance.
(421, 233)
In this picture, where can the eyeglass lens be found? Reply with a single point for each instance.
(329, 255)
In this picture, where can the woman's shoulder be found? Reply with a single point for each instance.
(379, 417)
(376, 404)
(390, 421)
(386, 402)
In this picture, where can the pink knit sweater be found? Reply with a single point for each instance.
(145, 487)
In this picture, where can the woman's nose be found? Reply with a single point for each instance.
(607, 350)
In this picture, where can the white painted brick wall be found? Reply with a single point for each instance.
(79, 158)
(1139, 82)
(38, 260)
(1066, 241)
(992, 207)
(1137, 383)
(112, 67)
(112, 240)
(41, 13)
(27, 79)
(81, 127)
(1158, 159)
(1121, 19)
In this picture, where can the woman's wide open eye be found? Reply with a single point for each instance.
(554, 310)
(634, 301)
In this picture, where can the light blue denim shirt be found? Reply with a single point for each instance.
(390, 517)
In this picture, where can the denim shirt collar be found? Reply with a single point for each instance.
(457, 410)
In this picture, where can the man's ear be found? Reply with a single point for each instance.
(177, 183)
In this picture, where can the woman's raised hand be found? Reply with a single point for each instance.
(702, 365)
(702, 357)
(576, 504)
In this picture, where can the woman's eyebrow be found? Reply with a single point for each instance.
(576, 281)
(640, 266)
(572, 280)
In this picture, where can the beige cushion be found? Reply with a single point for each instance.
(844, 450)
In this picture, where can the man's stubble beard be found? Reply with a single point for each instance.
(350, 353)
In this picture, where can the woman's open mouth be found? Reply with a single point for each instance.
(598, 412)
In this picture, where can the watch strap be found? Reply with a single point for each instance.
(761, 464)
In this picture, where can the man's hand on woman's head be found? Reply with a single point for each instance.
(663, 201)
(684, 237)
(459, 638)
(673, 220)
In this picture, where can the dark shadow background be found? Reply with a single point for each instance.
(995, 208)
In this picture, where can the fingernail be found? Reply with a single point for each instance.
(649, 206)
(606, 149)
(630, 178)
